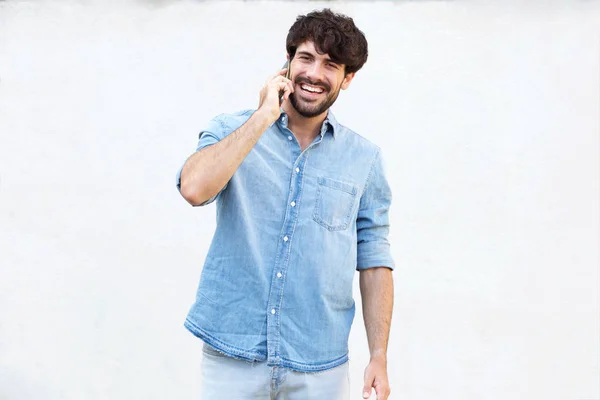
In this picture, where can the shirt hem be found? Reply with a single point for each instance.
(224, 348)
(301, 367)
(245, 355)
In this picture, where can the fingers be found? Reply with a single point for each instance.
(274, 92)
(287, 90)
(382, 392)
(369, 378)
(283, 87)
(279, 79)
(376, 378)
(279, 74)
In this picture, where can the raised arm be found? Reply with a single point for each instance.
(208, 170)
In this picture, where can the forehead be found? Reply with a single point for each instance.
(309, 47)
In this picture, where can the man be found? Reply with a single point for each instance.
(302, 202)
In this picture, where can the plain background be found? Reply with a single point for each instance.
(488, 116)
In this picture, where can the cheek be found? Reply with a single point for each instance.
(341, 82)
(334, 83)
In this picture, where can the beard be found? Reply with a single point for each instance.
(310, 109)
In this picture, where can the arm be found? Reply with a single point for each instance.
(377, 293)
(375, 264)
(208, 170)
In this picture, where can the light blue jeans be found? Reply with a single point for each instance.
(224, 377)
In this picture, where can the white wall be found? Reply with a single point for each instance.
(488, 114)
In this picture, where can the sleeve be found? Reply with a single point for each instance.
(214, 132)
(372, 223)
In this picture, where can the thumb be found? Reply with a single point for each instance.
(367, 388)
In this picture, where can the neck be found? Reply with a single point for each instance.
(303, 127)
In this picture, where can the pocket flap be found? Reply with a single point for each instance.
(343, 186)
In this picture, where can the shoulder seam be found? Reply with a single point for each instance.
(377, 148)
(222, 117)
(371, 171)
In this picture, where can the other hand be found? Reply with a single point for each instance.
(376, 377)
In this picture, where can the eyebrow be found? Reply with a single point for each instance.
(306, 53)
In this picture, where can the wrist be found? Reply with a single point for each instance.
(267, 115)
(379, 355)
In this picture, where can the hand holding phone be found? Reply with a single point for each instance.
(275, 90)
(287, 75)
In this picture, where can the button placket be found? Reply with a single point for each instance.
(283, 258)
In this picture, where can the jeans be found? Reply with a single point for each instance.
(225, 377)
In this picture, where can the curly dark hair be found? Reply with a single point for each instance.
(333, 34)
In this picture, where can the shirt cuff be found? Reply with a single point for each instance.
(374, 254)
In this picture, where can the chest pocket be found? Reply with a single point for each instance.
(334, 204)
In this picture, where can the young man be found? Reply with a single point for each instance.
(302, 202)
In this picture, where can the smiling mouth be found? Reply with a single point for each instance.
(311, 90)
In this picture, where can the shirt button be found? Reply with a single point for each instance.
(293, 204)
(285, 238)
(279, 274)
(273, 311)
(297, 170)
(289, 138)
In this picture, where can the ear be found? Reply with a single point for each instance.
(347, 79)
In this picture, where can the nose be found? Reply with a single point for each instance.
(313, 72)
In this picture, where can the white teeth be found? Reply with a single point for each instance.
(312, 89)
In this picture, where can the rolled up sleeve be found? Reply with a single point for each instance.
(372, 223)
(214, 132)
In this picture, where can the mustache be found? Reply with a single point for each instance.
(324, 85)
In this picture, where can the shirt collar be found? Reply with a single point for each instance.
(329, 124)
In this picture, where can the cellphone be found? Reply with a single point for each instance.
(287, 75)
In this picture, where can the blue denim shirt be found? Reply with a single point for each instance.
(292, 228)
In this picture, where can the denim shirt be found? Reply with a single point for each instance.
(292, 228)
